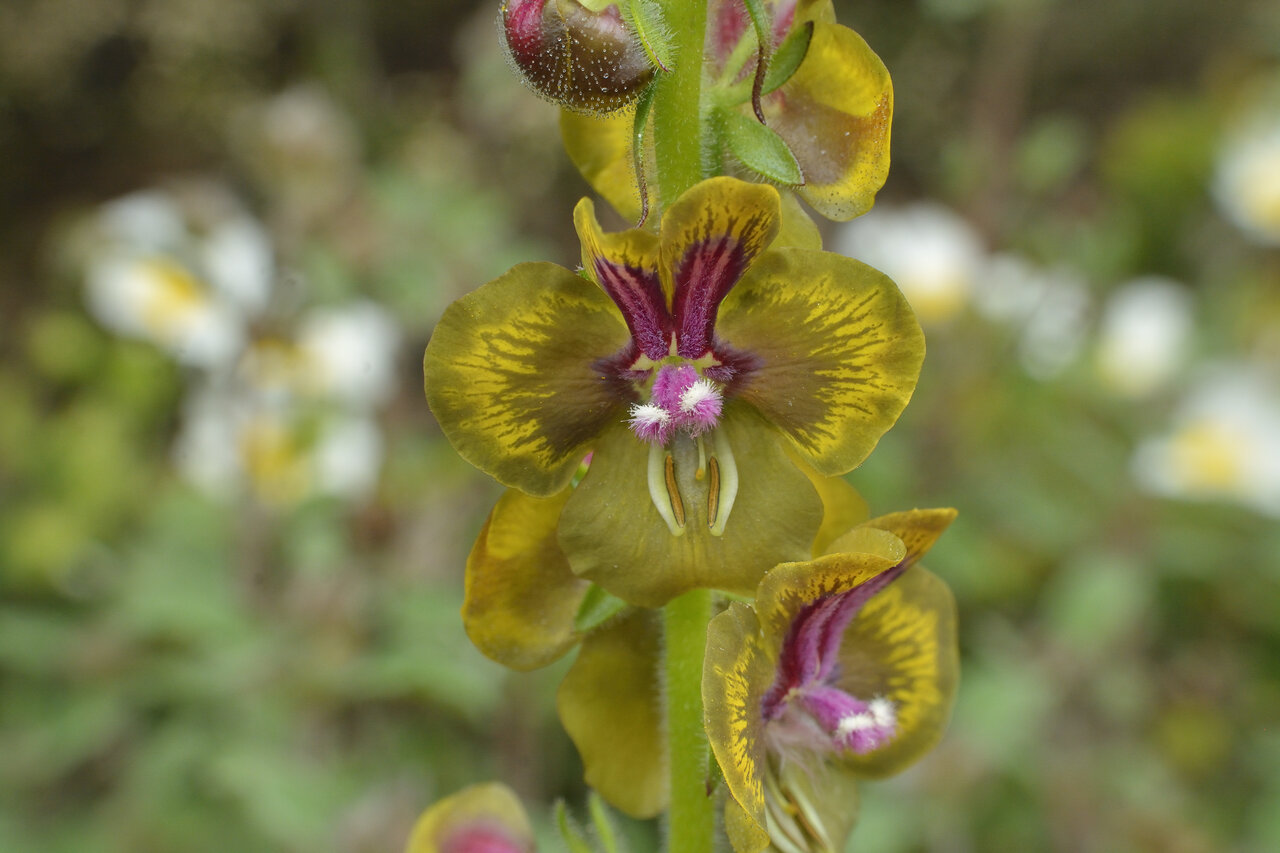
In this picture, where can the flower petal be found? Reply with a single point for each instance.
(521, 597)
(489, 814)
(917, 528)
(736, 672)
(902, 646)
(834, 352)
(842, 508)
(774, 517)
(791, 588)
(625, 265)
(835, 114)
(610, 706)
(510, 376)
(797, 229)
(745, 835)
(710, 236)
(600, 146)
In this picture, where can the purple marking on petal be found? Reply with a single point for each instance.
(830, 705)
(811, 650)
(798, 663)
(704, 276)
(847, 606)
(638, 294)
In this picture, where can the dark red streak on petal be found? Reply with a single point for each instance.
(638, 295)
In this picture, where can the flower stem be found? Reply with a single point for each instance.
(677, 108)
(691, 819)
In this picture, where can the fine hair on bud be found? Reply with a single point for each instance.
(588, 62)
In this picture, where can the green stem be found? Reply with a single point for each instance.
(677, 107)
(691, 819)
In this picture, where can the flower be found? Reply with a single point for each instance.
(1224, 442)
(484, 818)
(185, 270)
(525, 608)
(1048, 309)
(1246, 182)
(932, 254)
(833, 112)
(845, 667)
(1144, 335)
(295, 419)
(797, 354)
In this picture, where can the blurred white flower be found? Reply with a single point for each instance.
(153, 298)
(1224, 442)
(1246, 183)
(183, 270)
(348, 353)
(295, 418)
(1049, 309)
(932, 254)
(280, 451)
(1144, 336)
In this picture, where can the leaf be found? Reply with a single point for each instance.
(644, 17)
(603, 823)
(760, 149)
(787, 58)
(597, 608)
(574, 839)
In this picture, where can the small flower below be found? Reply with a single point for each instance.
(484, 818)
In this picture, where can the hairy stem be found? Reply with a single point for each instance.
(691, 819)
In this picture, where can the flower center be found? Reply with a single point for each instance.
(680, 401)
(824, 718)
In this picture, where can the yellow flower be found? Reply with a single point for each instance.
(692, 365)
(479, 819)
(845, 667)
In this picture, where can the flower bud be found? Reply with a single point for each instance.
(589, 62)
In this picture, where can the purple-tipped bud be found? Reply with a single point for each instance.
(586, 61)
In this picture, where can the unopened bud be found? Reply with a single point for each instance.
(587, 61)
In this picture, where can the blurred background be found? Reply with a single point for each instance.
(232, 537)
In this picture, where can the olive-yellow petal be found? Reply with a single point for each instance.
(737, 670)
(614, 535)
(511, 375)
(521, 596)
(600, 146)
(835, 114)
(918, 529)
(610, 705)
(837, 350)
(710, 236)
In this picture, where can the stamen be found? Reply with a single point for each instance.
(713, 492)
(702, 460)
(673, 491)
(660, 492)
(727, 484)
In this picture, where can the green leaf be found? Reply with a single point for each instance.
(787, 58)
(603, 822)
(644, 17)
(597, 608)
(574, 839)
(760, 149)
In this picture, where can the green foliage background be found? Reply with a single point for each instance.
(181, 673)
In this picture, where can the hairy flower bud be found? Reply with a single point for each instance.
(589, 62)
